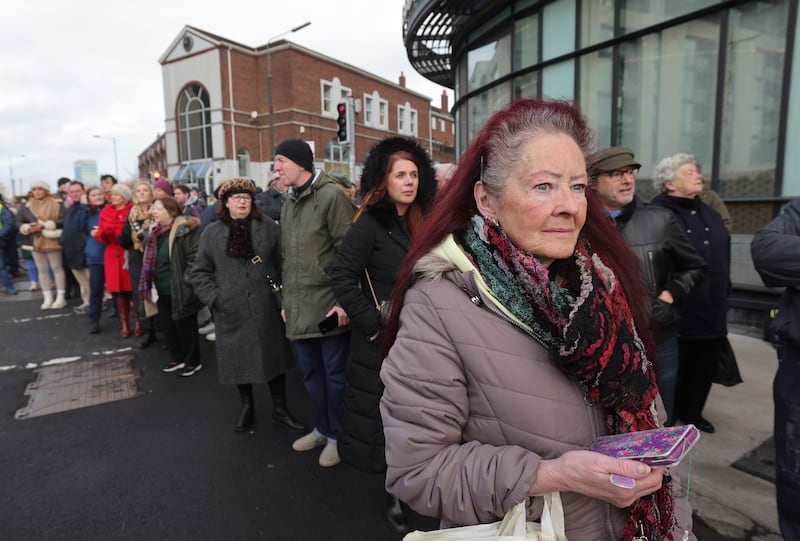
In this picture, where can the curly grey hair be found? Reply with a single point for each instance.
(668, 167)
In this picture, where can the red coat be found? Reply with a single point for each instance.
(112, 221)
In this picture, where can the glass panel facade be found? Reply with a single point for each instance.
(597, 22)
(791, 160)
(752, 99)
(667, 94)
(595, 93)
(558, 29)
(677, 88)
(526, 42)
(526, 86)
(482, 106)
(489, 62)
(558, 80)
(638, 14)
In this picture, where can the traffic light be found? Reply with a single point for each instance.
(341, 121)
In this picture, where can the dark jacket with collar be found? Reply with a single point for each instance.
(73, 238)
(775, 250)
(667, 259)
(378, 243)
(271, 202)
(704, 313)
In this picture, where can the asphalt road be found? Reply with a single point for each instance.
(166, 464)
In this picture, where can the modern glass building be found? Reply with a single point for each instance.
(711, 78)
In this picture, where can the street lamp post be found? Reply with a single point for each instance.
(269, 83)
(114, 141)
(11, 174)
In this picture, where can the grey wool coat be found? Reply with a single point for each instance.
(251, 343)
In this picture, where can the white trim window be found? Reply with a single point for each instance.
(331, 94)
(375, 111)
(406, 120)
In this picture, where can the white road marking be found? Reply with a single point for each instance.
(65, 360)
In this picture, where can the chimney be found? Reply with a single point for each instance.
(445, 109)
(402, 80)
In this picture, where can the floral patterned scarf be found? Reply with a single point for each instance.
(585, 321)
(149, 260)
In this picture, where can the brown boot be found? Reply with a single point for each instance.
(124, 309)
(137, 330)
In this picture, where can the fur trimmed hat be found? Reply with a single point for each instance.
(40, 184)
(378, 159)
(298, 151)
(124, 191)
(236, 185)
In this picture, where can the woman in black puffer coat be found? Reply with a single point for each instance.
(397, 187)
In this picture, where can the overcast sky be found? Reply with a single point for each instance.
(71, 69)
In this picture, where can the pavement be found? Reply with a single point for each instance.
(727, 502)
(167, 464)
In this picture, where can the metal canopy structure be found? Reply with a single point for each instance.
(429, 28)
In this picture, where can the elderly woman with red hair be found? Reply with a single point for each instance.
(516, 340)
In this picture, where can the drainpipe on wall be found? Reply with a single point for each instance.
(230, 99)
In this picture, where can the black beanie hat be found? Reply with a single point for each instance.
(298, 151)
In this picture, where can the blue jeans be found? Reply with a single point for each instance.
(787, 441)
(323, 363)
(4, 276)
(668, 362)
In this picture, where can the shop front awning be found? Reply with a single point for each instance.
(193, 171)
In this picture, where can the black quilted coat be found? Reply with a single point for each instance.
(378, 243)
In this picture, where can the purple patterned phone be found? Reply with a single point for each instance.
(658, 447)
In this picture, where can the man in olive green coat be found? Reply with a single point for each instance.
(314, 219)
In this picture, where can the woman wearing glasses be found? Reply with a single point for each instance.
(237, 257)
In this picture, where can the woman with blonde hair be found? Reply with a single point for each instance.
(140, 220)
(42, 218)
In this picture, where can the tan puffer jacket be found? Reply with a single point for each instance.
(472, 403)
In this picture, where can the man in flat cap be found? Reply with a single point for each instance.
(669, 262)
(314, 219)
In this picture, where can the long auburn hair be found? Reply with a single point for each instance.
(489, 158)
(412, 219)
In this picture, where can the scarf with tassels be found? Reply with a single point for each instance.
(583, 317)
(240, 241)
(149, 260)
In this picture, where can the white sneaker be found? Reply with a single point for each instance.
(211, 337)
(207, 328)
(329, 456)
(309, 441)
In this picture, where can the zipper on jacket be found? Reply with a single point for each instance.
(590, 407)
(654, 282)
(478, 299)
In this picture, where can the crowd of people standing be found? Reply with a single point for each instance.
(445, 340)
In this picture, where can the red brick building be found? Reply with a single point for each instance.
(217, 104)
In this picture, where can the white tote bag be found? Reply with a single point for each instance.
(513, 527)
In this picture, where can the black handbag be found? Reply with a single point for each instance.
(727, 370)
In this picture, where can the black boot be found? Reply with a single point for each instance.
(247, 415)
(280, 411)
(396, 515)
(150, 335)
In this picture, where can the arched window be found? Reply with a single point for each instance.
(244, 162)
(194, 121)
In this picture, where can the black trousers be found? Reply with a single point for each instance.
(787, 440)
(181, 335)
(698, 358)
